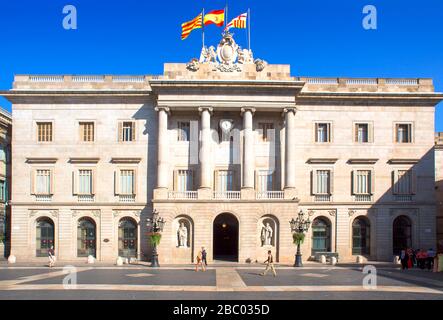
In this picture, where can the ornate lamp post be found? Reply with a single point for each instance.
(298, 227)
(155, 225)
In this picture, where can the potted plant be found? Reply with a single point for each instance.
(155, 238)
(298, 238)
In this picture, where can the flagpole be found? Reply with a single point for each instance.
(249, 29)
(203, 26)
(226, 14)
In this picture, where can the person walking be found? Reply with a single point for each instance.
(204, 254)
(430, 259)
(269, 264)
(404, 258)
(200, 262)
(51, 256)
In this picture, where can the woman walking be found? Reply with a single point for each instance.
(200, 262)
(51, 256)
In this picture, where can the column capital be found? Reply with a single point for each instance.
(245, 109)
(166, 109)
(210, 109)
(289, 109)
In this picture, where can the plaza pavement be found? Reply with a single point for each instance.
(219, 282)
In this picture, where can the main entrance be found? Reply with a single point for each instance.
(225, 237)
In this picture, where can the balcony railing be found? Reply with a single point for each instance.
(322, 198)
(403, 198)
(43, 197)
(363, 198)
(270, 195)
(127, 198)
(85, 198)
(227, 195)
(180, 195)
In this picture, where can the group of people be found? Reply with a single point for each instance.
(423, 259)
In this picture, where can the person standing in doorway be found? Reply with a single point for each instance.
(269, 264)
(204, 254)
(51, 256)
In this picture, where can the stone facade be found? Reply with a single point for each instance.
(5, 179)
(439, 187)
(293, 109)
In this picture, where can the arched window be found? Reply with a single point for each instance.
(44, 236)
(321, 235)
(361, 236)
(86, 238)
(402, 234)
(127, 238)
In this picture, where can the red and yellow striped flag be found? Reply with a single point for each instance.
(239, 22)
(216, 17)
(187, 27)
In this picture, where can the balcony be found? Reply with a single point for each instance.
(126, 198)
(403, 198)
(183, 195)
(43, 197)
(227, 195)
(270, 195)
(85, 198)
(363, 198)
(322, 198)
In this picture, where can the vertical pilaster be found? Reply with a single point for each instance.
(163, 148)
(248, 149)
(205, 148)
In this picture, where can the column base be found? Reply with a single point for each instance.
(247, 194)
(290, 194)
(204, 194)
(161, 193)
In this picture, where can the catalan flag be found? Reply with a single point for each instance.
(216, 17)
(187, 27)
(239, 22)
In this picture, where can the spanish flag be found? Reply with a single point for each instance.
(187, 27)
(216, 17)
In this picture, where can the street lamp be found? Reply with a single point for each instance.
(298, 227)
(155, 225)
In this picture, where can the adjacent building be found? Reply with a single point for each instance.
(439, 187)
(5, 179)
(227, 149)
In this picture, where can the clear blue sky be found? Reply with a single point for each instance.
(316, 37)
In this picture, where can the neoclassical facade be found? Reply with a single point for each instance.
(5, 179)
(228, 151)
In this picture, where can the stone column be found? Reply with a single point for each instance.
(205, 150)
(163, 148)
(290, 156)
(248, 149)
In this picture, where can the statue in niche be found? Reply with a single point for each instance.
(182, 233)
(266, 234)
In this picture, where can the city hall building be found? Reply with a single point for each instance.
(227, 149)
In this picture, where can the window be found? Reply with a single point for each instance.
(127, 238)
(44, 131)
(266, 131)
(183, 131)
(403, 132)
(127, 182)
(362, 184)
(361, 236)
(321, 235)
(322, 132)
(2, 191)
(86, 239)
(87, 131)
(402, 234)
(404, 182)
(43, 182)
(362, 133)
(322, 182)
(44, 237)
(127, 131)
(185, 180)
(85, 182)
(265, 181)
(225, 181)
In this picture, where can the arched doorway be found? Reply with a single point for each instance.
(321, 235)
(402, 234)
(127, 238)
(361, 241)
(86, 238)
(44, 236)
(225, 233)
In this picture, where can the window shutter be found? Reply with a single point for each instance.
(134, 182)
(410, 133)
(354, 182)
(316, 133)
(372, 182)
(94, 181)
(395, 181)
(413, 181)
(33, 179)
(75, 182)
(370, 133)
(133, 131)
(51, 181)
(331, 182)
(117, 182)
(356, 132)
(120, 131)
(314, 182)
(396, 133)
(329, 133)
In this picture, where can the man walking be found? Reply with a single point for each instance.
(204, 256)
(269, 264)
(51, 257)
